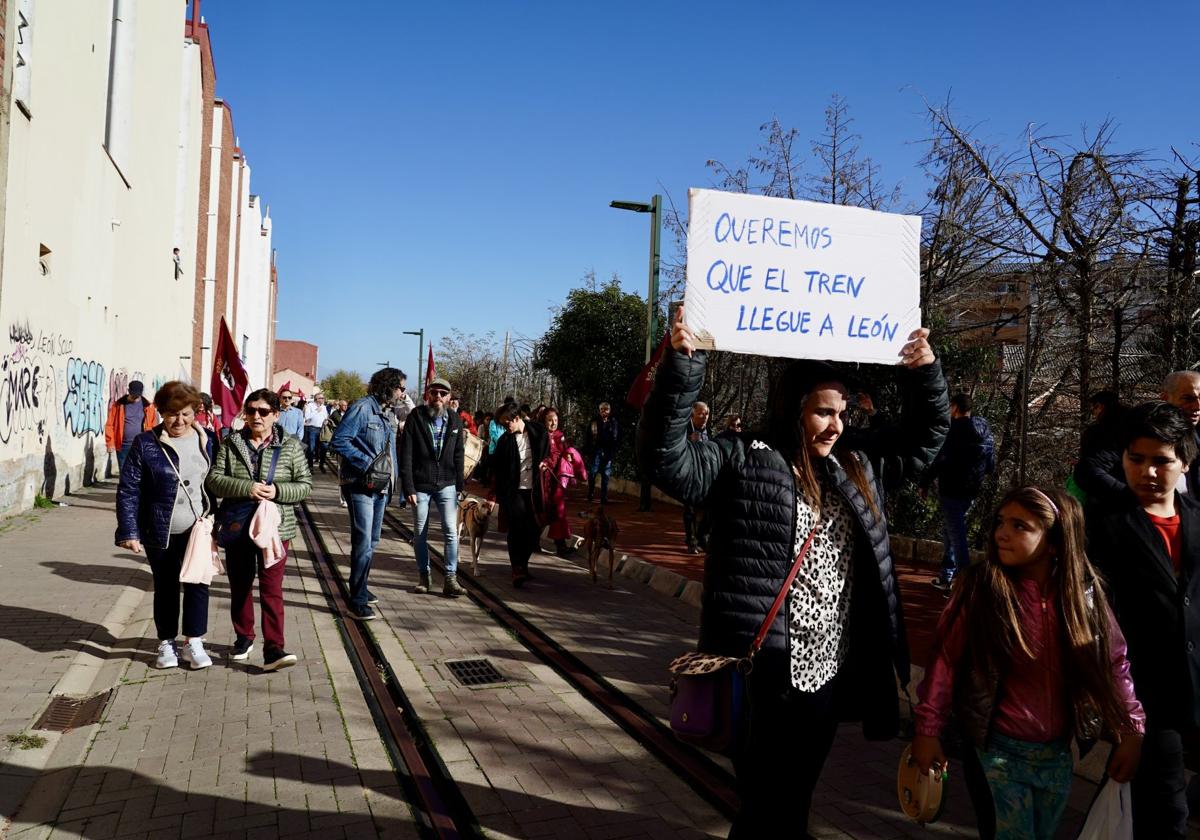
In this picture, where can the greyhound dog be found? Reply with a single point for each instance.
(600, 533)
(474, 517)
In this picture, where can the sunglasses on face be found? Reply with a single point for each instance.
(261, 412)
(438, 392)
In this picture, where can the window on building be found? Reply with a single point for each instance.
(22, 70)
(118, 126)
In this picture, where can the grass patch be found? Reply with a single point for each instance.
(40, 501)
(25, 741)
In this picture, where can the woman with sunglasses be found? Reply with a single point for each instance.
(242, 472)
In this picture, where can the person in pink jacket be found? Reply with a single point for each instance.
(1030, 656)
(562, 467)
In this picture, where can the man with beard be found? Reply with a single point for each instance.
(431, 468)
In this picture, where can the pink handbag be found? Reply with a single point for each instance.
(201, 559)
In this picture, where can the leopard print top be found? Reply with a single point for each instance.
(820, 598)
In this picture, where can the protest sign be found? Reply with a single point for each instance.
(776, 277)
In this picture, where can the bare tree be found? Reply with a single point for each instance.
(846, 176)
(1071, 206)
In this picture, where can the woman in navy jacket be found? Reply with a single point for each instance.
(159, 499)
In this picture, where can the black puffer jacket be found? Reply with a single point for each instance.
(421, 471)
(750, 492)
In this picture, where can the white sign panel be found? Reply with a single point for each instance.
(776, 277)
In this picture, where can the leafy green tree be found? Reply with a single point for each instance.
(343, 385)
(594, 348)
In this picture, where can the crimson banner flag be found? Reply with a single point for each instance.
(229, 379)
(639, 392)
(429, 374)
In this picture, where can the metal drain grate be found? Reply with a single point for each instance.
(472, 672)
(67, 713)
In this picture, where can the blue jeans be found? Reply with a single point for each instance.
(954, 535)
(447, 504)
(366, 524)
(1030, 784)
(123, 452)
(601, 466)
(312, 443)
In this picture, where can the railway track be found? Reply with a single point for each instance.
(433, 792)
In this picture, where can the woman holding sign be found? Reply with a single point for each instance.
(835, 649)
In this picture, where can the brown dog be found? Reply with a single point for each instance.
(599, 533)
(474, 517)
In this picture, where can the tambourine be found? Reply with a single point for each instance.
(922, 795)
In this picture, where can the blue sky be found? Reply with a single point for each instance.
(445, 165)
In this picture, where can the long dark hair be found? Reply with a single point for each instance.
(987, 596)
(784, 433)
(384, 383)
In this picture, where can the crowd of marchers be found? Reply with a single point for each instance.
(1080, 623)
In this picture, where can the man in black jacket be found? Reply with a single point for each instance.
(1149, 551)
(516, 465)
(431, 468)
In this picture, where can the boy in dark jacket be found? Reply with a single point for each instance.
(431, 469)
(965, 460)
(1149, 552)
(516, 466)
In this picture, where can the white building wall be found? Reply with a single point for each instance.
(108, 309)
(187, 176)
(210, 263)
(254, 284)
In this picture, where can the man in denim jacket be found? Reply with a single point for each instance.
(367, 432)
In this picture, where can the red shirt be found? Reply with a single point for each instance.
(1168, 526)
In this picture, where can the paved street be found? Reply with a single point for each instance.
(235, 751)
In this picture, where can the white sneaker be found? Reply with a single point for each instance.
(194, 652)
(166, 654)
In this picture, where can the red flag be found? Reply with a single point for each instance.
(286, 386)
(229, 379)
(640, 390)
(429, 373)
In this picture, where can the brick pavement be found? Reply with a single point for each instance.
(230, 751)
(534, 758)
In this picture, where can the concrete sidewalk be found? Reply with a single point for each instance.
(229, 751)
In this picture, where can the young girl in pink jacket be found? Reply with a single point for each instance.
(1029, 656)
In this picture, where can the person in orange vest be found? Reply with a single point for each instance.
(127, 418)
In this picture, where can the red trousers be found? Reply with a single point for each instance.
(243, 561)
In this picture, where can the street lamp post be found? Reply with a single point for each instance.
(654, 208)
(420, 334)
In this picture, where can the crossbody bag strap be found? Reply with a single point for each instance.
(275, 450)
(179, 478)
(787, 584)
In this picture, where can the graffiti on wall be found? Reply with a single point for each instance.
(46, 384)
(85, 402)
(27, 384)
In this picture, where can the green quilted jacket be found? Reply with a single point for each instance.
(232, 475)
